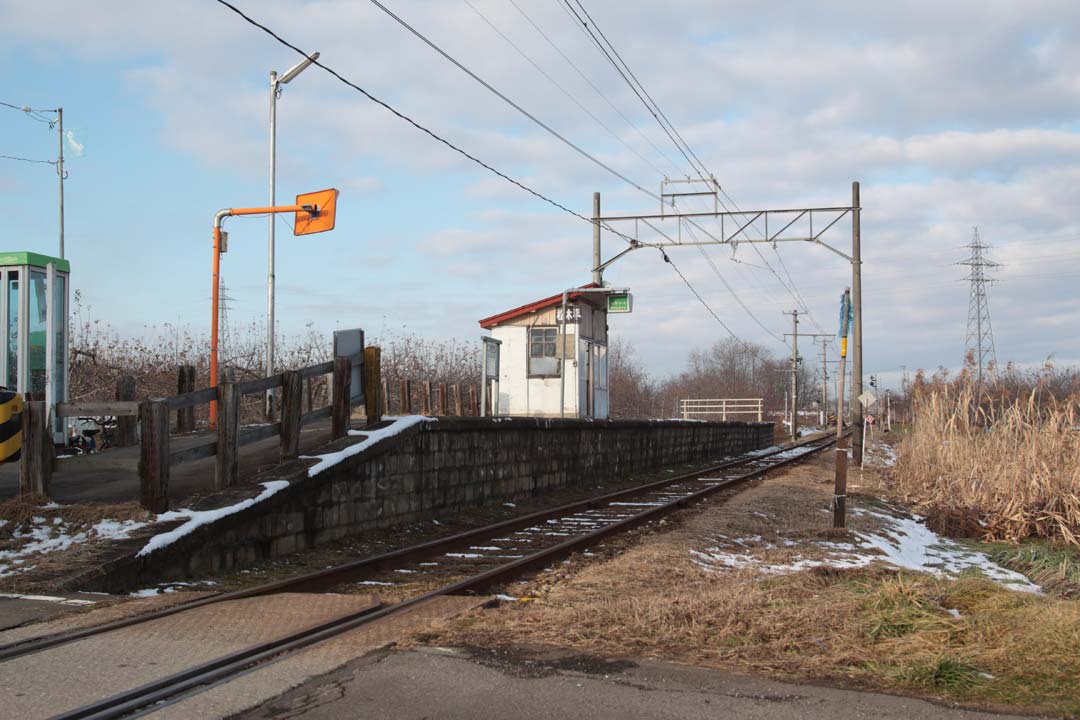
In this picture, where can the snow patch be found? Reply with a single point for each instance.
(904, 542)
(198, 518)
(117, 529)
(48, 598)
(371, 437)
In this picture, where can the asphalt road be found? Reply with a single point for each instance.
(452, 683)
(113, 476)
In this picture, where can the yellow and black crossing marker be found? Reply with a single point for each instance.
(11, 407)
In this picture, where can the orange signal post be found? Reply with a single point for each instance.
(315, 213)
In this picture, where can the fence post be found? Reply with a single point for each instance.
(443, 404)
(125, 424)
(340, 409)
(228, 436)
(759, 408)
(154, 455)
(185, 383)
(385, 397)
(474, 402)
(426, 400)
(405, 405)
(292, 399)
(373, 385)
(456, 390)
(723, 409)
(35, 466)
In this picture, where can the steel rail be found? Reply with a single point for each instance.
(221, 669)
(322, 579)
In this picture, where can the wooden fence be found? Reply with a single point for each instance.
(156, 457)
(428, 398)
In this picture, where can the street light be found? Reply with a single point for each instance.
(275, 90)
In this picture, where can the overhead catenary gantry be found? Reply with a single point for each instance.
(783, 225)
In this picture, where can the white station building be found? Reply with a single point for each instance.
(537, 359)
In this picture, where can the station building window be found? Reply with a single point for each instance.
(543, 358)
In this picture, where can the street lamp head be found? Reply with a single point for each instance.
(297, 69)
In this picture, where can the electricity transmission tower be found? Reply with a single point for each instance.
(980, 336)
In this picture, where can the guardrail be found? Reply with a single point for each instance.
(156, 457)
(722, 406)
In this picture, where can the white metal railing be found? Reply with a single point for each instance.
(722, 407)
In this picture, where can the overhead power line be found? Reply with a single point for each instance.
(679, 141)
(414, 123)
(251, 21)
(716, 271)
(554, 133)
(643, 90)
(593, 85)
(29, 160)
(619, 70)
(32, 113)
(753, 351)
(607, 48)
(561, 89)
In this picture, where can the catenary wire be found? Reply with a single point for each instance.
(561, 89)
(654, 103)
(519, 108)
(554, 133)
(593, 85)
(657, 114)
(414, 123)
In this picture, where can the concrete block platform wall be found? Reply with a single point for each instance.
(428, 469)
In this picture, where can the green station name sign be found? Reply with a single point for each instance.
(620, 303)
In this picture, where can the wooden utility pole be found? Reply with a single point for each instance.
(840, 489)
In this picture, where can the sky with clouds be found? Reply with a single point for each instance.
(950, 115)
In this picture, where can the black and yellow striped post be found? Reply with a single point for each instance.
(11, 408)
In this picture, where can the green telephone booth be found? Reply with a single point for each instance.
(34, 309)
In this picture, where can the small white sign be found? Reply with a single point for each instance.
(867, 399)
(573, 315)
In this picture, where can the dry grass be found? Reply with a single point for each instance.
(36, 572)
(1008, 473)
(871, 626)
(21, 509)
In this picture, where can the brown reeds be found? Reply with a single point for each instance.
(1011, 467)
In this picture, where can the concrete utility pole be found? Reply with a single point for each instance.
(857, 330)
(597, 273)
(794, 373)
(824, 381)
(60, 172)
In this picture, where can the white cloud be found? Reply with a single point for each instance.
(951, 114)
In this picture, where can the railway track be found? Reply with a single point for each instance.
(474, 561)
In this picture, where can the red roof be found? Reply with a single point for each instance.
(489, 322)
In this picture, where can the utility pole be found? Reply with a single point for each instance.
(597, 273)
(824, 381)
(888, 411)
(275, 91)
(60, 171)
(840, 486)
(794, 373)
(857, 331)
